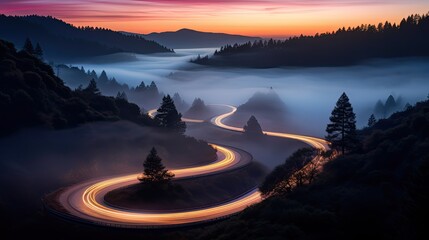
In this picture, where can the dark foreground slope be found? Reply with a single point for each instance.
(31, 95)
(62, 41)
(378, 192)
(343, 47)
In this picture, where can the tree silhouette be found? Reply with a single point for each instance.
(38, 51)
(372, 120)
(252, 128)
(122, 95)
(154, 170)
(342, 128)
(390, 105)
(92, 88)
(28, 46)
(168, 117)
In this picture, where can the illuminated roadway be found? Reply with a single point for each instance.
(85, 202)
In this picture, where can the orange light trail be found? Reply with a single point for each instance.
(318, 143)
(86, 201)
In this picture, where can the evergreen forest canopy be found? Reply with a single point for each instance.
(31, 95)
(63, 41)
(343, 47)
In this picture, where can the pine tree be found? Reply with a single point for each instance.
(38, 51)
(372, 121)
(28, 46)
(122, 96)
(342, 128)
(252, 128)
(390, 105)
(92, 88)
(168, 117)
(154, 170)
(103, 77)
(94, 75)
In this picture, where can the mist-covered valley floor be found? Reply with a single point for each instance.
(308, 93)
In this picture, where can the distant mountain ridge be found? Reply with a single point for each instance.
(188, 38)
(62, 41)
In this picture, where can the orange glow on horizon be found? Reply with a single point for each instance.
(265, 18)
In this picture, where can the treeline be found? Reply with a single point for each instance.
(147, 96)
(63, 41)
(378, 190)
(31, 95)
(342, 47)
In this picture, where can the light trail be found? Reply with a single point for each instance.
(86, 201)
(152, 114)
(318, 143)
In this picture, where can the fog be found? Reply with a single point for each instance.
(309, 93)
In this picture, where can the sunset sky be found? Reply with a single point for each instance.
(266, 18)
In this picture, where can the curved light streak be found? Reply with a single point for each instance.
(152, 114)
(315, 142)
(87, 200)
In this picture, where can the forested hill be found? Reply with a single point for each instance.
(63, 41)
(31, 96)
(378, 191)
(343, 47)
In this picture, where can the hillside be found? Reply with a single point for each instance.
(188, 38)
(377, 192)
(31, 95)
(343, 47)
(64, 42)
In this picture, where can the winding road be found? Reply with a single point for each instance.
(85, 202)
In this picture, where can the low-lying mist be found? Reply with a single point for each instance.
(309, 93)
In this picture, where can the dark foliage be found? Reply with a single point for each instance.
(379, 192)
(63, 41)
(181, 105)
(285, 171)
(146, 96)
(342, 127)
(343, 47)
(253, 128)
(372, 121)
(168, 117)
(391, 105)
(31, 95)
(154, 171)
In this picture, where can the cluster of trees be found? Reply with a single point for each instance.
(146, 96)
(391, 105)
(252, 128)
(284, 178)
(378, 190)
(29, 47)
(169, 118)
(343, 47)
(31, 95)
(63, 41)
(198, 109)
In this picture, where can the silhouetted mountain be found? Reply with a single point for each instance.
(62, 41)
(187, 38)
(391, 105)
(343, 47)
(31, 95)
(267, 101)
(379, 191)
(198, 110)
